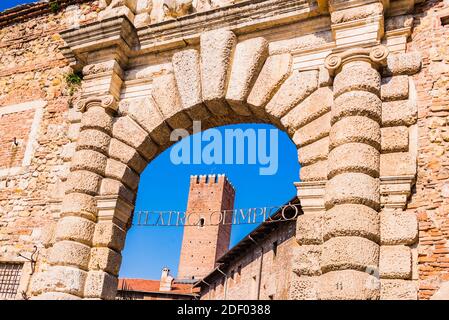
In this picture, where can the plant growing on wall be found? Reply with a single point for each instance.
(54, 6)
(73, 81)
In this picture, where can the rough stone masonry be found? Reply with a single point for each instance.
(90, 91)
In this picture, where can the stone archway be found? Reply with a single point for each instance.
(354, 173)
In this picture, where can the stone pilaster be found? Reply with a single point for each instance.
(351, 234)
(71, 254)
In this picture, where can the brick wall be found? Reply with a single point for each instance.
(431, 198)
(32, 71)
(273, 270)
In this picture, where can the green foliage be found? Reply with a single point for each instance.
(74, 78)
(73, 81)
(54, 6)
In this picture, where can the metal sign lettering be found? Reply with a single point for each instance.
(234, 217)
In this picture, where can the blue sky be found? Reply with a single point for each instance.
(6, 4)
(164, 186)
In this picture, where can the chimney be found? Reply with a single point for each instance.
(166, 280)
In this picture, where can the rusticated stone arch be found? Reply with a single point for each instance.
(223, 82)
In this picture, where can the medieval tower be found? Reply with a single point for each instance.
(204, 243)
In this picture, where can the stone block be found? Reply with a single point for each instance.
(394, 139)
(395, 88)
(303, 288)
(70, 253)
(89, 160)
(97, 118)
(75, 229)
(308, 228)
(105, 259)
(127, 155)
(59, 279)
(217, 48)
(398, 290)
(314, 152)
(249, 58)
(313, 107)
(355, 129)
(79, 204)
(352, 220)
(357, 103)
(314, 172)
(306, 260)
(355, 188)
(293, 91)
(404, 63)
(93, 139)
(348, 285)
(82, 181)
(109, 235)
(120, 171)
(100, 285)
(398, 227)
(351, 252)
(313, 131)
(399, 113)
(342, 159)
(395, 262)
(127, 130)
(357, 78)
(274, 72)
(397, 164)
(116, 188)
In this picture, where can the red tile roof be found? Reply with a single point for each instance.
(143, 285)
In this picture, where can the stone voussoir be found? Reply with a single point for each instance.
(274, 72)
(186, 66)
(293, 91)
(313, 107)
(314, 152)
(128, 131)
(127, 155)
(165, 93)
(249, 58)
(313, 131)
(217, 48)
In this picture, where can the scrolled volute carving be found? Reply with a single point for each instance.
(108, 102)
(377, 56)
